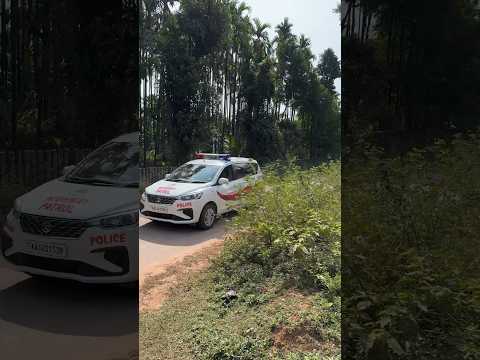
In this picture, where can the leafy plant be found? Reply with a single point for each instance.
(411, 245)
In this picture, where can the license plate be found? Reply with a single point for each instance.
(161, 209)
(47, 249)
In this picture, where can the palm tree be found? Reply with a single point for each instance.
(262, 44)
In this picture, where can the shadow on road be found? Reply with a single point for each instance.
(70, 308)
(179, 235)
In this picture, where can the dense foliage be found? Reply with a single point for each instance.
(213, 80)
(410, 221)
(289, 234)
(410, 69)
(68, 72)
(289, 225)
(410, 249)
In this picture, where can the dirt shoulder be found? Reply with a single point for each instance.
(156, 282)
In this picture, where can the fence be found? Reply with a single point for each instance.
(149, 175)
(34, 167)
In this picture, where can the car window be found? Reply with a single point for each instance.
(227, 173)
(238, 172)
(251, 169)
(243, 170)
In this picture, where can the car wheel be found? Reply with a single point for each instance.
(207, 217)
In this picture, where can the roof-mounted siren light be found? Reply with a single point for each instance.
(225, 157)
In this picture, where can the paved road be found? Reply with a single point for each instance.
(161, 243)
(65, 320)
(61, 320)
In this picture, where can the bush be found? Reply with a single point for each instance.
(286, 245)
(411, 241)
(289, 226)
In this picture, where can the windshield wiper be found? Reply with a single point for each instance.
(75, 179)
(92, 181)
(130, 185)
(187, 181)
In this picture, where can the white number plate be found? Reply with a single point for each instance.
(160, 208)
(47, 249)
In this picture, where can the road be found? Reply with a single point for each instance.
(65, 320)
(162, 243)
(53, 320)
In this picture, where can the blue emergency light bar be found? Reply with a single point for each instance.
(225, 157)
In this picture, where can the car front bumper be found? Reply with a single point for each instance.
(97, 256)
(176, 213)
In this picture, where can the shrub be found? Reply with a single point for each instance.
(411, 247)
(289, 226)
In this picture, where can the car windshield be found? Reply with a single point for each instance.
(114, 164)
(194, 173)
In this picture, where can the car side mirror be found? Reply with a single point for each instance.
(167, 176)
(223, 181)
(67, 169)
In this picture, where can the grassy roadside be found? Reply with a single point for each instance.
(273, 292)
(277, 324)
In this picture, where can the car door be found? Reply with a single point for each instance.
(241, 174)
(226, 193)
(251, 176)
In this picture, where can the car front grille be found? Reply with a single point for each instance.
(158, 199)
(49, 226)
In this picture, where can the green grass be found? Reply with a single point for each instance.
(277, 323)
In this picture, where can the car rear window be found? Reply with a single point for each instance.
(242, 170)
(227, 173)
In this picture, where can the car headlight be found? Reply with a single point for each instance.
(120, 220)
(193, 196)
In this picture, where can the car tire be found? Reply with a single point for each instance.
(207, 217)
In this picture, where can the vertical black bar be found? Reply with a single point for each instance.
(69, 244)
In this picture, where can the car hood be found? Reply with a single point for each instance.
(58, 198)
(168, 188)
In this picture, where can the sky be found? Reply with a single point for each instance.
(314, 18)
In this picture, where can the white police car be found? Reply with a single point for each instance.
(200, 190)
(84, 225)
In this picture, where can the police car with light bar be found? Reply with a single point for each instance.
(201, 190)
(82, 226)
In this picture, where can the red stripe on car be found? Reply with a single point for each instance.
(234, 196)
(228, 197)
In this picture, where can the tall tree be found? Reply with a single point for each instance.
(221, 84)
(329, 69)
